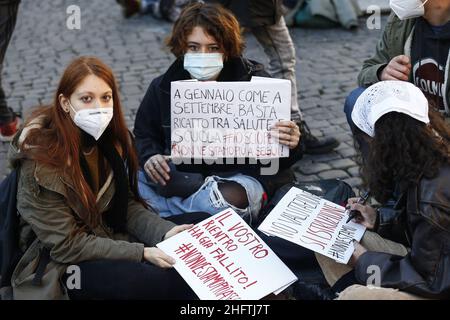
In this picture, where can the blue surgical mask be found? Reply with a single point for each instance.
(203, 66)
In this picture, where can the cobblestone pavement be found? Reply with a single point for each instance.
(42, 45)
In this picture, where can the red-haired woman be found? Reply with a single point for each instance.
(78, 200)
(207, 42)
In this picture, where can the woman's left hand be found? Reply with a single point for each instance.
(287, 133)
(359, 251)
(177, 229)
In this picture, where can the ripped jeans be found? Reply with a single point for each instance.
(207, 198)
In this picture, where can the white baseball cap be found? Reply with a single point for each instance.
(389, 96)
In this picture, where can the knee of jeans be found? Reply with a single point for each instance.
(234, 194)
(227, 194)
(351, 100)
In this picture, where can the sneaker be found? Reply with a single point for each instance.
(8, 131)
(129, 7)
(314, 145)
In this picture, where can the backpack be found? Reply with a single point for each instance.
(10, 252)
(333, 190)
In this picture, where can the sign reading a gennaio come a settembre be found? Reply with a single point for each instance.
(211, 120)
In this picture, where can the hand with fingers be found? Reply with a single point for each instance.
(157, 257)
(359, 251)
(287, 133)
(398, 68)
(367, 215)
(157, 168)
(177, 229)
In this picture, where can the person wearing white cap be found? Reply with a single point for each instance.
(405, 250)
(414, 47)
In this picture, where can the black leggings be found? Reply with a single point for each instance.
(128, 280)
(123, 279)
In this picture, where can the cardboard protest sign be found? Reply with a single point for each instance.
(222, 258)
(314, 223)
(215, 120)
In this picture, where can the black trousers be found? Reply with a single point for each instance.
(8, 15)
(128, 280)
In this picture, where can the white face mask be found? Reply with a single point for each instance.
(408, 9)
(203, 66)
(93, 120)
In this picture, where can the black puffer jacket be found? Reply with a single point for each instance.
(425, 224)
(152, 124)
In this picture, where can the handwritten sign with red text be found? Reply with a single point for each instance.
(313, 223)
(222, 258)
(211, 120)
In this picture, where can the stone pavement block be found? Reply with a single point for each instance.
(354, 171)
(332, 130)
(333, 174)
(305, 178)
(318, 124)
(326, 158)
(308, 168)
(339, 120)
(343, 163)
(347, 153)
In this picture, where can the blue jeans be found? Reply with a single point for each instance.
(207, 198)
(348, 108)
(350, 103)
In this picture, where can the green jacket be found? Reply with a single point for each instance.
(50, 218)
(396, 40)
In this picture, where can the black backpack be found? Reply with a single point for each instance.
(10, 252)
(333, 190)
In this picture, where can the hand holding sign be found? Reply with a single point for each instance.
(223, 258)
(359, 251)
(313, 223)
(157, 257)
(215, 120)
(287, 133)
(177, 229)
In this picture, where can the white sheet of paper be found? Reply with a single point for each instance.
(222, 258)
(314, 223)
(211, 120)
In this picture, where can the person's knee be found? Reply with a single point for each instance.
(351, 100)
(360, 292)
(234, 194)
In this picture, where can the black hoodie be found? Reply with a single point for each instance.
(430, 58)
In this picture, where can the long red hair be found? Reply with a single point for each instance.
(57, 141)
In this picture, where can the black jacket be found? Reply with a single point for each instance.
(425, 224)
(152, 124)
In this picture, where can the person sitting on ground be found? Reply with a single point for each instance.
(405, 253)
(210, 34)
(415, 47)
(78, 200)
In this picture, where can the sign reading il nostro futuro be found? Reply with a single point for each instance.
(211, 120)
